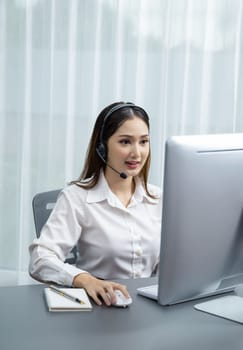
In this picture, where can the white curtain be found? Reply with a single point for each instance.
(62, 61)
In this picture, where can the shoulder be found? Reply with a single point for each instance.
(74, 193)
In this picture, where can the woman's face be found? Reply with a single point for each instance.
(128, 148)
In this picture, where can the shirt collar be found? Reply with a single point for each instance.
(141, 195)
(102, 192)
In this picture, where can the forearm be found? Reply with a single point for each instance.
(45, 266)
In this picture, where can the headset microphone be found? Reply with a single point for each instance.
(122, 175)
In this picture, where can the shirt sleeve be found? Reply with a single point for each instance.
(58, 236)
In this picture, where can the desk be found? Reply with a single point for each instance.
(26, 324)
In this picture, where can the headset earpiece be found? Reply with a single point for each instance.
(101, 150)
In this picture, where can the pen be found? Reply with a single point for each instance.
(66, 295)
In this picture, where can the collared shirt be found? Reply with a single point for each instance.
(113, 241)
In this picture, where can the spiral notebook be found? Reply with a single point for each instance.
(58, 302)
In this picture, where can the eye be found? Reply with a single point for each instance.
(144, 141)
(124, 141)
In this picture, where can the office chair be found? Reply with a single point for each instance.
(42, 205)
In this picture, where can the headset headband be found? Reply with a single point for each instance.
(114, 109)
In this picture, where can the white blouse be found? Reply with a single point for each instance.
(113, 241)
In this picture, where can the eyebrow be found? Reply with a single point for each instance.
(125, 135)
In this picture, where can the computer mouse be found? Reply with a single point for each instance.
(121, 300)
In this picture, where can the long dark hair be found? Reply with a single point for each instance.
(93, 163)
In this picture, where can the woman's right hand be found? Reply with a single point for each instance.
(97, 289)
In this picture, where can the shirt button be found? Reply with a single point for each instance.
(138, 252)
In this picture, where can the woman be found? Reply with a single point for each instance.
(110, 212)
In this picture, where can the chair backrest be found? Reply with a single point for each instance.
(42, 205)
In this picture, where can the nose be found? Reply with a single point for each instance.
(135, 150)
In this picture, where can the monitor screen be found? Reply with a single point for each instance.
(201, 250)
(202, 224)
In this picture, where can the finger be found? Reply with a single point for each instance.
(94, 296)
(123, 289)
(110, 290)
(105, 297)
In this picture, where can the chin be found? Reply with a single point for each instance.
(133, 172)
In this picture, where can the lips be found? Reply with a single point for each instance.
(132, 164)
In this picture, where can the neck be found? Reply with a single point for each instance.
(122, 188)
(115, 181)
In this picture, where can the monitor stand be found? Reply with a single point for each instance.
(223, 286)
(228, 306)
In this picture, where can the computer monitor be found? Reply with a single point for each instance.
(201, 250)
